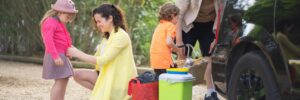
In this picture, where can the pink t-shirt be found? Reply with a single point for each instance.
(55, 36)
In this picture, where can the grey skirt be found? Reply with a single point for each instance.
(52, 71)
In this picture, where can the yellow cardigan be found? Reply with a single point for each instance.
(117, 68)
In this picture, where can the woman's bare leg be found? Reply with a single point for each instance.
(86, 77)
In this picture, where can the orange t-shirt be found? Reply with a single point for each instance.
(160, 53)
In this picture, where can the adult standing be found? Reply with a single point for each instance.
(196, 21)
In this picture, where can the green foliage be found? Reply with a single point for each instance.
(19, 26)
(285, 10)
(288, 9)
(20, 30)
(258, 13)
(142, 28)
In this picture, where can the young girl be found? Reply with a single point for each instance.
(57, 39)
(114, 58)
(162, 41)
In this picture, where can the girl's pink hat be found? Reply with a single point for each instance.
(64, 6)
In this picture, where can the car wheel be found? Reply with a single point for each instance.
(253, 79)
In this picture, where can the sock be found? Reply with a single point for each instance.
(210, 91)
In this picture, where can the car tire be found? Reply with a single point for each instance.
(253, 79)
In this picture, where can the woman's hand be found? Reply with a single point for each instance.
(212, 45)
(73, 52)
(59, 62)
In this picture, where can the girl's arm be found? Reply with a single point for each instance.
(48, 28)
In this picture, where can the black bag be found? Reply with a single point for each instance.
(147, 77)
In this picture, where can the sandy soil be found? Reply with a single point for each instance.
(22, 81)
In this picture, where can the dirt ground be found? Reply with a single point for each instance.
(22, 81)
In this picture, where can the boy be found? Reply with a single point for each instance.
(162, 43)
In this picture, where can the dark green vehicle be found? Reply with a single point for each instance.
(258, 50)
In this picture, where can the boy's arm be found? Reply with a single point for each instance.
(171, 35)
(171, 44)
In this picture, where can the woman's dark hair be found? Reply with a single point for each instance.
(107, 10)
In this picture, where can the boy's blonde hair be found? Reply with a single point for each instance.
(168, 11)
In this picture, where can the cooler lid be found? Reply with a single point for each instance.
(175, 78)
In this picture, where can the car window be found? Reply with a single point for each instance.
(288, 27)
(240, 12)
(288, 19)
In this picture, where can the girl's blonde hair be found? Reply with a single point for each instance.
(49, 13)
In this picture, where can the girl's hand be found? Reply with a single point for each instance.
(59, 62)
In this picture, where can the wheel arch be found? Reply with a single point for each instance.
(242, 48)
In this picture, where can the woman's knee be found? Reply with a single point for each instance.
(83, 75)
(78, 75)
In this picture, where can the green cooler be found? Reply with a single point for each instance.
(175, 86)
